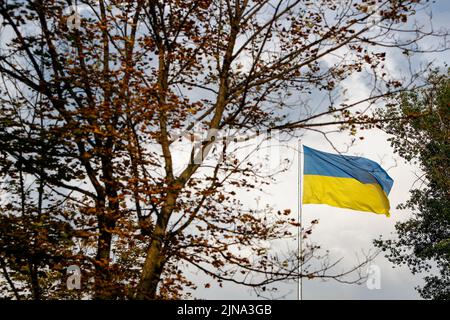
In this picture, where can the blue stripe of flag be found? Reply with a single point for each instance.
(327, 164)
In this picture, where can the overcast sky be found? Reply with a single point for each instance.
(347, 233)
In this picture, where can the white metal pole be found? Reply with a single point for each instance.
(299, 211)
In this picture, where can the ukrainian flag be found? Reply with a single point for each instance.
(345, 181)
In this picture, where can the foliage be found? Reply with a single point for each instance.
(92, 104)
(423, 242)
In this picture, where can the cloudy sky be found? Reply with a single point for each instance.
(348, 233)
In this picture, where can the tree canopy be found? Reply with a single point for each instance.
(95, 95)
(423, 242)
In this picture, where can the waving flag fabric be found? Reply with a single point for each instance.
(345, 181)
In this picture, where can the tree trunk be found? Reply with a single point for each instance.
(35, 288)
(103, 283)
(156, 257)
(105, 287)
(151, 273)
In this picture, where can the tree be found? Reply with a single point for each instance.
(93, 103)
(423, 242)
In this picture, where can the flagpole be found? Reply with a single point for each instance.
(299, 219)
